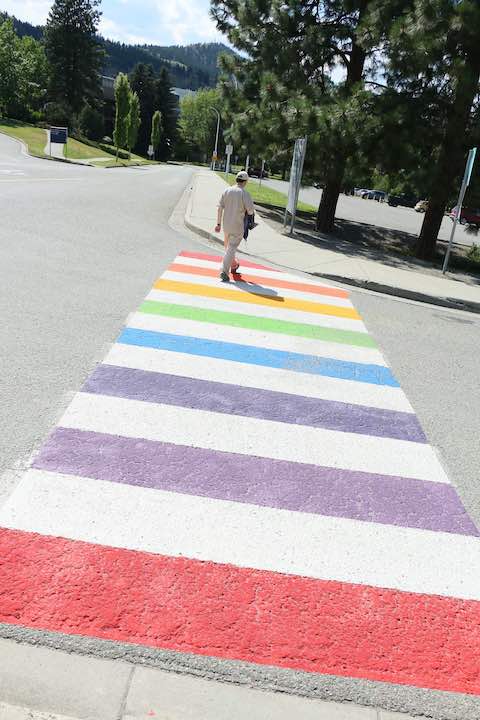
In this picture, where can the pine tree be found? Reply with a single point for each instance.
(165, 102)
(74, 52)
(142, 82)
(122, 113)
(462, 47)
(156, 136)
(134, 121)
(300, 42)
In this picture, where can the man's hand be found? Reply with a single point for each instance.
(218, 228)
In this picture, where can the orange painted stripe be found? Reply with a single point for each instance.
(268, 282)
(279, 302)
(205, 608)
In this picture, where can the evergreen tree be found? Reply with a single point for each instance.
(434, 55)
(142, 81)
(134, 121)
(165, 102)
(91, 123)
(74, 52)
(300, 42)
(122, 114)
(156, 136)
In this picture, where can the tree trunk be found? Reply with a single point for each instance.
(328, 203)
(452, 156)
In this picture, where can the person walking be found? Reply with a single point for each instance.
(234, 204)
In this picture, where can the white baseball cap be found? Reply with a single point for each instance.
(242, 176)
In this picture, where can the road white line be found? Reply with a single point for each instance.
(264, 378)
(245, 336)
(307, 545)
(251, 436)
(298, 316)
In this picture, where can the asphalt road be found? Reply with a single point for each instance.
(81, 247)
(374, 213)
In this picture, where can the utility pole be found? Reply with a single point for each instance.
(215, 152)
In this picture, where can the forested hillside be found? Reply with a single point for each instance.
(191, 66)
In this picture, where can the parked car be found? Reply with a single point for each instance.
(256, 172)
(468, 216)
(359, 191)
(421, 206)
(403, 200)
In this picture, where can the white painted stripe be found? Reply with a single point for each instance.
(245, 336)
(298, 316)
(273, 274)
(260, 289)
(247, 536)
(251, 436)
(263, 378)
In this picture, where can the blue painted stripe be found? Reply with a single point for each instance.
(311, 364)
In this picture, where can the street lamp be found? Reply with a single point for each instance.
(215, 152)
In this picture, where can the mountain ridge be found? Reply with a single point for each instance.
(190, 66)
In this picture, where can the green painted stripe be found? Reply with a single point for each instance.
(283, 327)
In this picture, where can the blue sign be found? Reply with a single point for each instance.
(59, 135)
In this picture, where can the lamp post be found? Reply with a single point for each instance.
(215, 152)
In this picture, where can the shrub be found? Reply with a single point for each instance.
(123, 154)
(473, 253)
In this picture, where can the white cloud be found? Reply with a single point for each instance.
(186, 21)
(113, 31)
(161, 22)
(33, 11)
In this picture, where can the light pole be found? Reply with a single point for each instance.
(215, 152)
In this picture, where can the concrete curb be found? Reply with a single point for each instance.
(451, 303)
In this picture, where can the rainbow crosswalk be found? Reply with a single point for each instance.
(243, 478)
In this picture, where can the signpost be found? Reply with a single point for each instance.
(58, 135)
(458, 210)
(229, 152)
(295, 181)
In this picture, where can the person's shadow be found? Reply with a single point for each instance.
(254, 289)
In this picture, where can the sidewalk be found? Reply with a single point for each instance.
(289, 252)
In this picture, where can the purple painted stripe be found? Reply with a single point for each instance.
(258, 481)
(250, 402)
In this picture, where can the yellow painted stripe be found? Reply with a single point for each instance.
(277, 302)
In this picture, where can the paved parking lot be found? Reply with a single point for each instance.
(381, 214)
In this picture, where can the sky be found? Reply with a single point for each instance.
(159, 22)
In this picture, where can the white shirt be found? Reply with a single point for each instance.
(235, 202)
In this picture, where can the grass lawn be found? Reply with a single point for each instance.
(264, 194)
(35, 138)
(79, 151)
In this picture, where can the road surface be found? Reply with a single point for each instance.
(230, 479)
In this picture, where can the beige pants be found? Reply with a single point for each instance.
(231, 246)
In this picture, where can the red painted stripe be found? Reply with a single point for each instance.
(230, 612)
(268, 282)
(218, 258)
